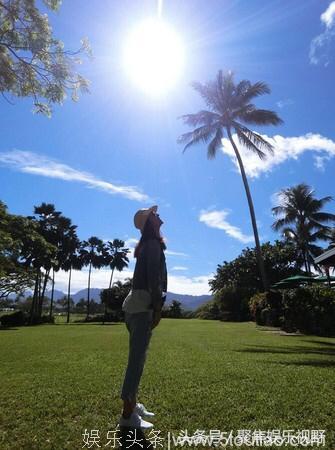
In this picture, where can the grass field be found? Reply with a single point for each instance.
(58, 380)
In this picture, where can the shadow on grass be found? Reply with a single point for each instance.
(57, 324)
(310, 362)
(8, 328)
(327, 349)
(90, 323)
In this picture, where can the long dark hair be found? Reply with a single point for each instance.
(148, 233)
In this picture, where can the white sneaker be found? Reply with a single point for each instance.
(142, 411)
(134, 421)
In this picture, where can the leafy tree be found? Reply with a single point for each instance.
(281, 260)
(230, 108)
(175, 310)
(33, 63)
(301, 220)
(81, 305)
(23, 252)
(113, 297)
(14, 277)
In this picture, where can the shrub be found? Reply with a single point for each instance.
(18, 318)
(234, 303)
(208, 311)
(115, 316)
(266, 308)
(47, 319)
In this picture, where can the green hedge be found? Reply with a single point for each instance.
(310, 310)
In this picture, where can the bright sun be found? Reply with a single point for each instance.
(153, 57)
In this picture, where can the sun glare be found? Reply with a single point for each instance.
(153, 57)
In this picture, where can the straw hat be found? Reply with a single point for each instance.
(142, 215)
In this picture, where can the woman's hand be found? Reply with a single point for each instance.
(156, 317)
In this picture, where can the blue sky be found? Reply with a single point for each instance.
(115, 151)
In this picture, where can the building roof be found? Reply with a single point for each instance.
(327, 258)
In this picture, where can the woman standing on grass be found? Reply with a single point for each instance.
(142, 308)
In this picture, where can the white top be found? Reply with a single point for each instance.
(137, 300)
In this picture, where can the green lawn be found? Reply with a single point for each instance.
(58, 380)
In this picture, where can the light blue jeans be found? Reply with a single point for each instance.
(139, 328)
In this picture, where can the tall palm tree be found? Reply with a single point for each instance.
(230, 109)
(116, 257)
(47, 220)
(91, 254)
(301, 220)
(70, 259)
(65, 234)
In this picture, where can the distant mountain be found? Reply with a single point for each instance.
(188, 302)
(57, 294)
(94, 295)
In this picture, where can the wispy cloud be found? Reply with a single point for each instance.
(217, 219)
(285, 148)
(173, 253)
(179, 268)
(322, 46)
(283, 103)
(36, 164)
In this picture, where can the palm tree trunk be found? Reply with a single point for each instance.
(328, 275)
(304, 254)
(34, 300)
(45, 282)
(252, 213)
(88, 291)
(68, 297)
(52, 292)
(111, 279)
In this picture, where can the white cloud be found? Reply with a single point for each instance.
(131, 243)
(33, 163)
(285, 148)
(178, 284)
(322, 46)
(198, 285)
(217, 219)
(284, 103)
(179, 268)
(328, 16)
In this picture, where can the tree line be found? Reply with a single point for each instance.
(34, 248)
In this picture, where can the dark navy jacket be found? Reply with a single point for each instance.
(150, 272)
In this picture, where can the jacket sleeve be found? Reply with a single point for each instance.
(153, 259)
